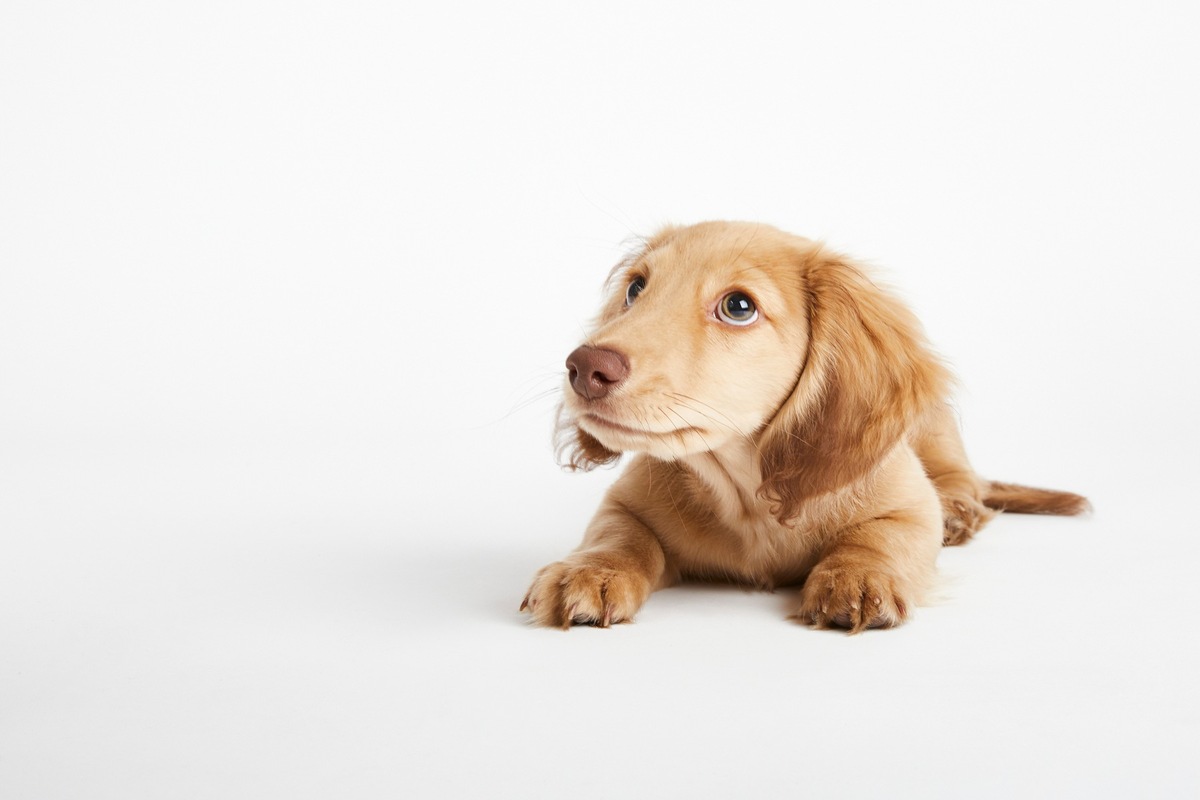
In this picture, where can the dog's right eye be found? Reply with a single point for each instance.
(635, 288)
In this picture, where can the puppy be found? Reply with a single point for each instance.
(792, 428)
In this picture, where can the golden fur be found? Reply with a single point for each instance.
(814, 445)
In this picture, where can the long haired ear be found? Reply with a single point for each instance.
(867, 378)
(576, 449)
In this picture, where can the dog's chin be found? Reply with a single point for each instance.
(667, 445)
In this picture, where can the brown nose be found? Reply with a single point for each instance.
(593, 371)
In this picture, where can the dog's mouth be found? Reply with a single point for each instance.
(593, 420)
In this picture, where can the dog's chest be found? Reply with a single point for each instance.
(757, 547)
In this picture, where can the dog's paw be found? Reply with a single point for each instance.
(851, 597)
(575, 592)
(962, 516)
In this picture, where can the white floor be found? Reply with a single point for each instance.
(214, 627)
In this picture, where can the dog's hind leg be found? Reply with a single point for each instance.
(939, 445)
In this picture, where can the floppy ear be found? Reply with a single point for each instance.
(576, 449)
(867, 378)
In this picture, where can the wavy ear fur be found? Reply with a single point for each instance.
(867, 378)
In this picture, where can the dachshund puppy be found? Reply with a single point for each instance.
(791, 426)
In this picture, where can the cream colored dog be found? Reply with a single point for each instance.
(792, 427)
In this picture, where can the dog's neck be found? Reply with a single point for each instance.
(733, 475)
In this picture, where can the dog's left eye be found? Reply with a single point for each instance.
(737, 308)
(635, 288)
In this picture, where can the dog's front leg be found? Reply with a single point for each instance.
(873, 573)
(606, 580)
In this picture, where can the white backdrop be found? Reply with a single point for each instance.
(285, 289)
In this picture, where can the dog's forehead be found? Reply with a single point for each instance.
(718, 255)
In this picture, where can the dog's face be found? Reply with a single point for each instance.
(724, 330)
(701, 338)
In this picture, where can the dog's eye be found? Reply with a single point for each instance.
(635, 288)
(737, 308)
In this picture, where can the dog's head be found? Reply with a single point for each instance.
(726, 330)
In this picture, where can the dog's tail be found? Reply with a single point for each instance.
(1017, 499)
